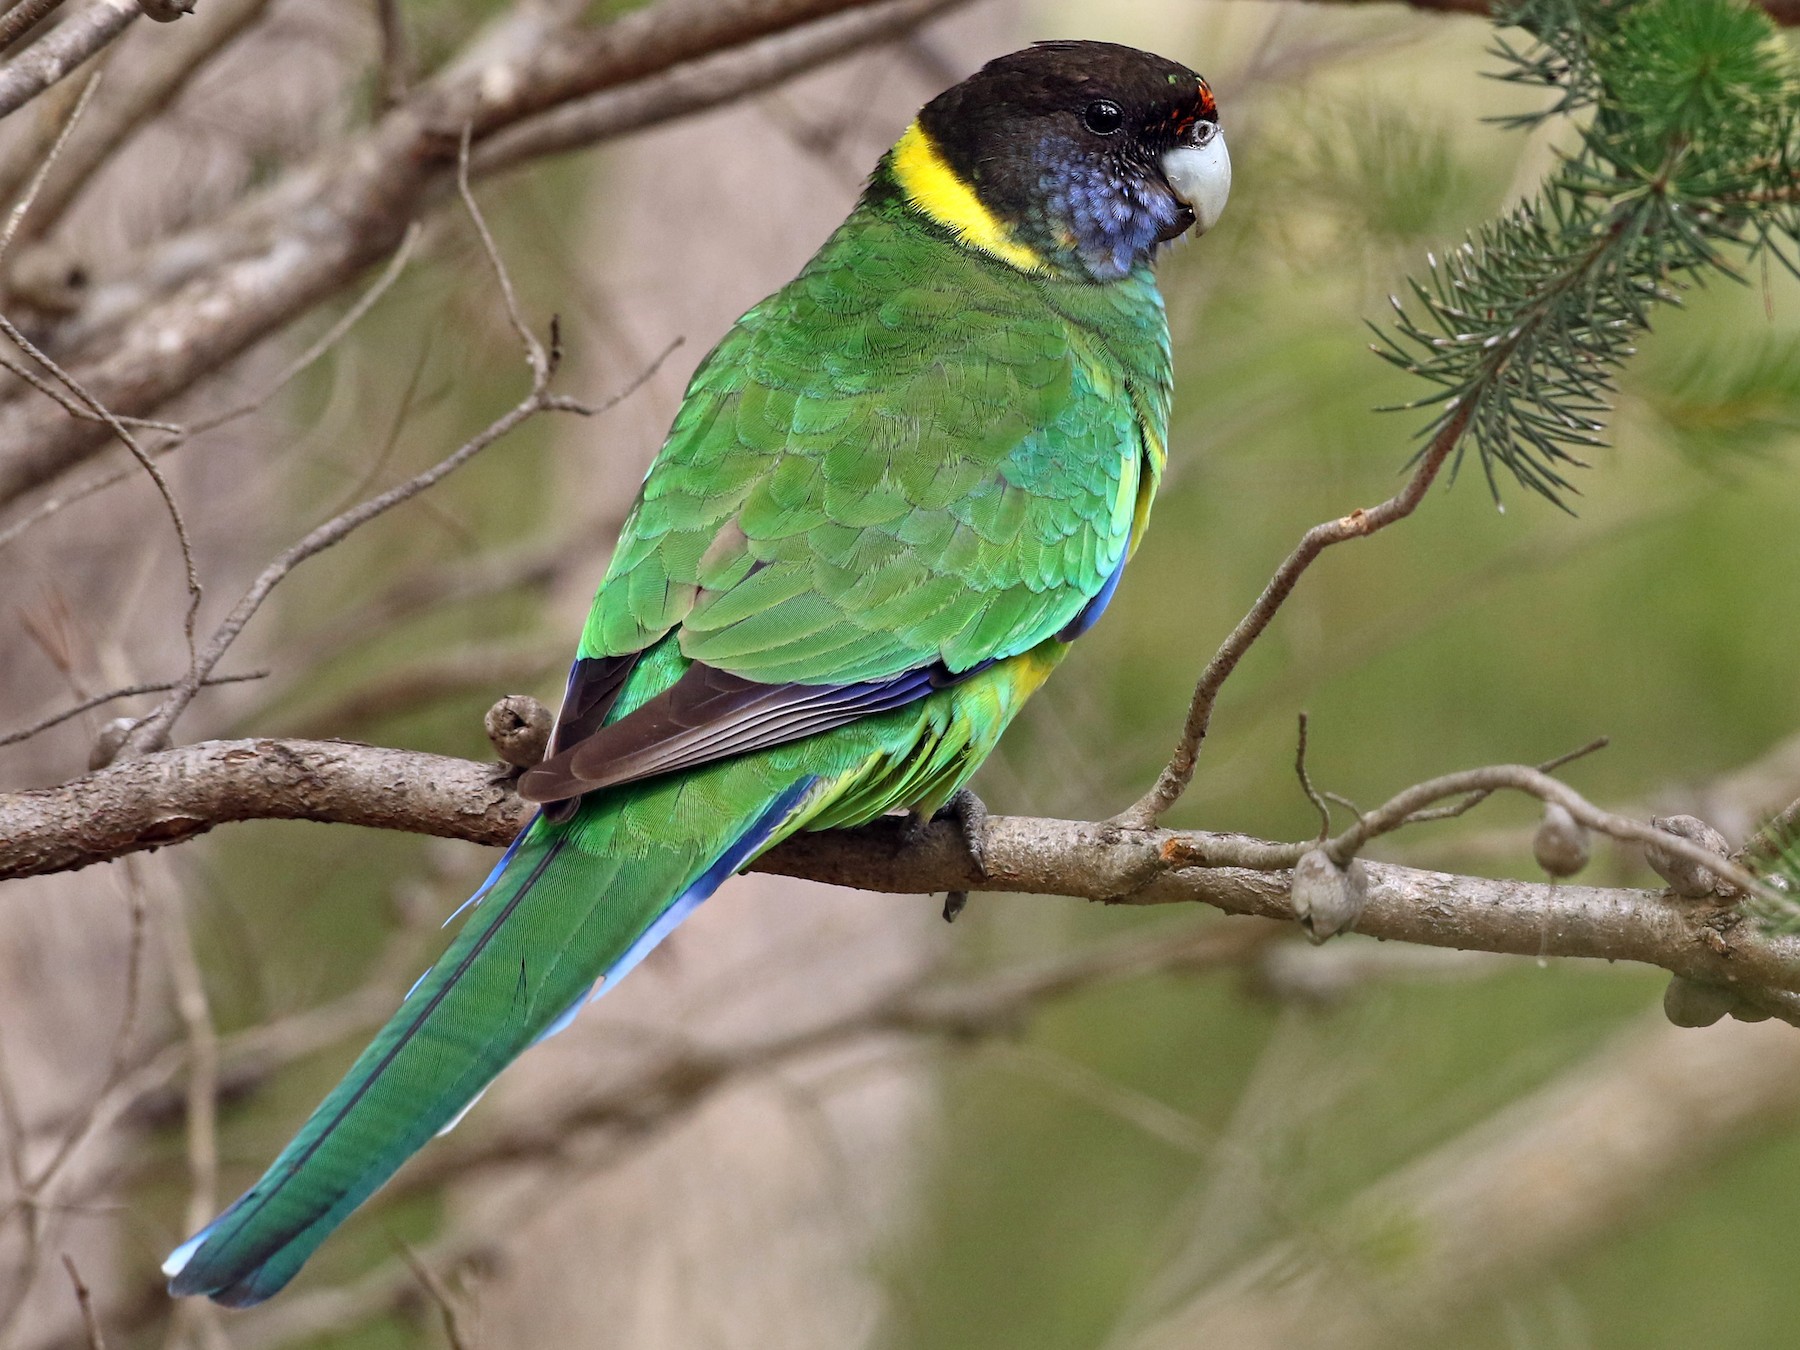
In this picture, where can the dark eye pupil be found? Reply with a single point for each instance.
(1103, 117)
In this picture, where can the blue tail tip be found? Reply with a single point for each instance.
(188, 1277)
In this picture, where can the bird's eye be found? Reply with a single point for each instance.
(1103, 117)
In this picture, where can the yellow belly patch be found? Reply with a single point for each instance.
(934, 188)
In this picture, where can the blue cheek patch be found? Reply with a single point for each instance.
(1116, 221)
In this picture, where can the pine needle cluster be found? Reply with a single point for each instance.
(1687, 166)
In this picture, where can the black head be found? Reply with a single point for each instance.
(1088, 154)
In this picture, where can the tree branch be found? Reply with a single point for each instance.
(177, 794)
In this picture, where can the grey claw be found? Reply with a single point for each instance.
(970, 815)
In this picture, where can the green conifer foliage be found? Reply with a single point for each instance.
(1687, 166)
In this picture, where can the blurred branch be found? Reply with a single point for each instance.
(35, 187)
(396, 53)
(23, 17)
(178, 435)
(671, 1085)
(704, 84)
(59, 52)
(143, 89)
(33, 1192)
(1534, 1185)
(199, 299)
(177, 794)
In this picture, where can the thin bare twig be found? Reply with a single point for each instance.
(440, 1294)
(194, 591)
(1399, 811)
(396, 264)
(1199, 849)
(77, 409)
(535, 355)
(112, 695)
(1306, 786)
(36, 185)
(1359, 524)
(84, 1298)
(153, 732)
(179, 434)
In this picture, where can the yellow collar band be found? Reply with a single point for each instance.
(934, 189)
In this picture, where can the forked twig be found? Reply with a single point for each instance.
(1475, 799)
(440, 1294)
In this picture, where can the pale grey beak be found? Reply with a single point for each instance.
(1201, 176)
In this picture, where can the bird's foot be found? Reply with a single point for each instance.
(970, 815)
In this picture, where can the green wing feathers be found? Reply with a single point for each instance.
(856, 489)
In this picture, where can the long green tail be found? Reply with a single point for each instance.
(570, 909)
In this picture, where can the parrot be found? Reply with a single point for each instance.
(892, 497)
